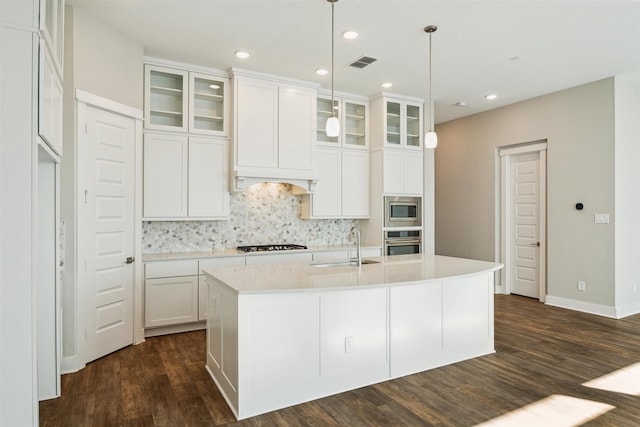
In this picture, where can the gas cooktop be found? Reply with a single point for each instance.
(269, 248)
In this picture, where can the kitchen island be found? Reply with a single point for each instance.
(283, 334)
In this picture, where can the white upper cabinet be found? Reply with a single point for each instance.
(184, 101)
(165, 169)
(274, 130)
(49, 102)
(50, 73)
(402, 121)
(52, 30)
(343, 185)
(208, 178)
(165, 98)
(256, 123)
(185, 177)
(402, 172)
(354, 121)
(208, 98)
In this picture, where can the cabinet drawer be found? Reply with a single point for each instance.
(186, 267)
(221, 262)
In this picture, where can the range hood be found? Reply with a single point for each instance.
(304, 181)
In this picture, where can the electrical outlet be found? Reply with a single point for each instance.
(581, 285)
(348, 344)
(601, 218)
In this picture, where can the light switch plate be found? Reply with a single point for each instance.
(601, 218)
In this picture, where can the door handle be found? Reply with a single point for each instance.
(130, 260)
(535, 244)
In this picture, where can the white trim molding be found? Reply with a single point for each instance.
(585, 307)
(109, 105)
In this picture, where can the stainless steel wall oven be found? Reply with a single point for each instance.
(401, 242)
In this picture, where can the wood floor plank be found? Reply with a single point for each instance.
(540, 351)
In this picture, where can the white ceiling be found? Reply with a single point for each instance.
(560, 44)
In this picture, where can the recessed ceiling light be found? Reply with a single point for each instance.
(515, 58)
(491, 96)
(241, 54)
(214, 86)
(322, 72)
(461, 104)
(386, 85)
(350, 35)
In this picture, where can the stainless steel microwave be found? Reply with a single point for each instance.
(402, 211)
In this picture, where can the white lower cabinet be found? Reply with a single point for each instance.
(343, 185)
(171, 293)
(171, 301)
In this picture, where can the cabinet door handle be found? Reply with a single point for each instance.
(130, 260)
(535, 244)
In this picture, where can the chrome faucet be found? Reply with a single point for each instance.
(355, 233)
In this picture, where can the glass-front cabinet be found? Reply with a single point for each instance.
(183, 101)
(353, 115)
(403, 124)
(207, 100)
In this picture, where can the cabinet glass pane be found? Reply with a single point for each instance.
(393, 123)
(208, 108)
(355, 125)
(165, 99)
(324, 112)
(413, 125)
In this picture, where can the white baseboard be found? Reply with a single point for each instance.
(69, 365)
(628, 310)
(586, 307)
(164, 330)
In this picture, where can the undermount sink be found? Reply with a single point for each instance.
(343, 263)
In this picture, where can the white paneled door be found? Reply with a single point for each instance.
(525, 199)
(105, 229)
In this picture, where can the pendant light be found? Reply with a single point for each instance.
(333, 124)
(430, 138)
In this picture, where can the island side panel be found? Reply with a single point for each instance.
(415, 328)
(222, 340)
(279, 348)
(467, 323)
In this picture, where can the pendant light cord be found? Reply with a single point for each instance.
(333, 110)
(430, 96)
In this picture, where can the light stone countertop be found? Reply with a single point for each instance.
(287, 277)
(169, 256)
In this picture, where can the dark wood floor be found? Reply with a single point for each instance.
(540, 351)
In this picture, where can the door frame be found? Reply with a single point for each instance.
(83, 100)
(503, 212)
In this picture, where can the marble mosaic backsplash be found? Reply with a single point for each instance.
(262, 214)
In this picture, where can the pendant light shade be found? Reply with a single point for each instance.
(333, 124)
(430, 138)
(333, 127)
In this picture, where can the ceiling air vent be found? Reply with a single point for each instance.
(363, 62)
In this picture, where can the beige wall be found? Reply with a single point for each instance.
(578, 125)
(107, 63)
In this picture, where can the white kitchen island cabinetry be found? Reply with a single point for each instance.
(285, 334)
(274, 129)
